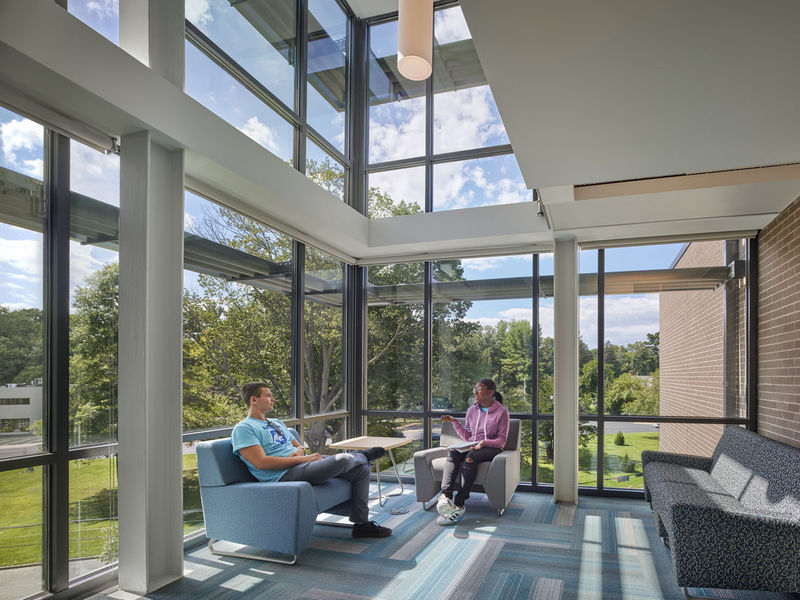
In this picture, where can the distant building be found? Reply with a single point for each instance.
(20, 406)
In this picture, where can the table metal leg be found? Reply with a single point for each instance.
(380, 497)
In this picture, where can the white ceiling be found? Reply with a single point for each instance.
(620, 90)
(589, 93)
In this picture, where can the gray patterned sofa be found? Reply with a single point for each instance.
(733, 520)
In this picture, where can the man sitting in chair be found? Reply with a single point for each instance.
(271, 453)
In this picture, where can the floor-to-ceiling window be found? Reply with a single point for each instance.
(59, 232)
(664, 329)
(280, 73)
(438, 144)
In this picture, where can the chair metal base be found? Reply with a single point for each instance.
(282, 561)
(291, 560)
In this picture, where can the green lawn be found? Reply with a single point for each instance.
(92, 509)
(614, 476)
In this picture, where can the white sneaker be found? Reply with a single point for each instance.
(452, 518)
(444, 506)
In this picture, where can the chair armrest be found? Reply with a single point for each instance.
(502, 478)
(685, 460)
(424, 458)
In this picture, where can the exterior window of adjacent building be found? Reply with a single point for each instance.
(14, 401)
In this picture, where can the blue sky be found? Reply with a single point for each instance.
(463, 119)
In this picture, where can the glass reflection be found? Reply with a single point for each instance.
(212, 87)
(327, 70)
(325, 171)
(396, 104)
(260, 35)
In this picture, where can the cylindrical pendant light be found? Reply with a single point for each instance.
(415, 39)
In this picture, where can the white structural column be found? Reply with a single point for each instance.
(150, 320)
(565, 409)
(153, 32)
(150, 369)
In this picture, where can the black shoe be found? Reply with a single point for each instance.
(373, 453)
(370, 529)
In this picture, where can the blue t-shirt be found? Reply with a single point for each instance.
(272, 435)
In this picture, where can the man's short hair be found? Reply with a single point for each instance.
(252, 389)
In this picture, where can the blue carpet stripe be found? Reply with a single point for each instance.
(603, 548)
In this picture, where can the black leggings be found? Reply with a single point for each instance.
(459, 473)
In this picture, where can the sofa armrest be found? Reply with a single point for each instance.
(685, 460)
(716, 547)
(277, 516)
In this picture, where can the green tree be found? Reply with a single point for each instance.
(647, 400)
(93, 362)
(20, 345)
(624, 390)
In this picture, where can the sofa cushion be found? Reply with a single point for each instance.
(670, 494)
(661, 471)
(759, 472)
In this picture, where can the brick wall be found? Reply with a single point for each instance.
(779, 327)
(691, 356)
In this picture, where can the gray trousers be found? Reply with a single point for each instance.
(351, 466)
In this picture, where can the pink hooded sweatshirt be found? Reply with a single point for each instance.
(491, 426)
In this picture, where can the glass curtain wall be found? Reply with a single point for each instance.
(59, 231)
(665, 341)
(459, 320)
(245, 62)
(437, 145)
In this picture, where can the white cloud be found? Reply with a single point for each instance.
(34, 168)
(508, 314)
(16, 305)
(397, 130)
(23, 255)
(465, 119)
(103, 8)
(261, 133)
(20, 135)
(82, 263)
(188, 221)
(402, 185)
(627, 318)
(198, 12)
(94, 174)
(482, 264)
(450, 26)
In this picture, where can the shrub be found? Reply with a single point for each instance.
(619, 440)
(628, 465)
